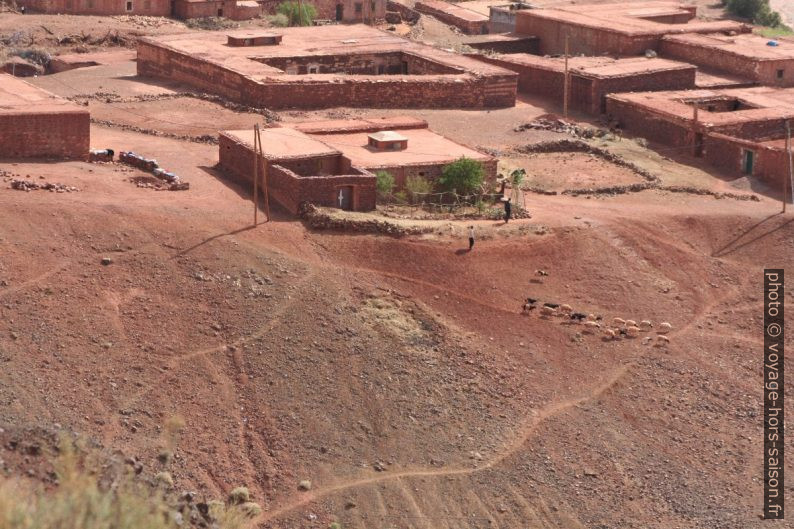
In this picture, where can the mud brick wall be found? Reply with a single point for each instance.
(407, 14)
(470, 27)
(98, 7)
(584, 40)
(289, 189)
(361, 64)
(762, 71)
(395, 91)
(727, 153)
(54, 135)
(226, 8)
(370, 9)
(754, 129)
(678, 79)
(430, 172)
(529, 45)
(650, 125)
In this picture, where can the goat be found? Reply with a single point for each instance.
(664, 328)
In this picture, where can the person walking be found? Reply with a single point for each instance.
(508, 209)
(471, 237)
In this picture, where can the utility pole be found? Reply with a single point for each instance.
(695, 110)
(256, 172)
(566, 81)
(790, 173)
(264, 173)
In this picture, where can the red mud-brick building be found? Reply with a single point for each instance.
(617, 29)
(753, 57)
(351, 11)
(593, 78)
(332, 163)
(328, 66)
(37, 124)
(466, 20)
(99, 7)
(232, 9)
(739, 130)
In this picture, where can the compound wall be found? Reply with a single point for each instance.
(392, 91)
(728, 153)
(99, 7)
(64, 134)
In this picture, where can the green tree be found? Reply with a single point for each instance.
(298, 14)
(465, 176)
(384, 183)
(417, 185)
(756, 10)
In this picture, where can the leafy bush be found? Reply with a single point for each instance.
(384, 183)
(278, 20)
(418, 185)
(756, 10)
(464, 176)
(298, 14)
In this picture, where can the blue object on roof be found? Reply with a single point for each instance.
(772, 43)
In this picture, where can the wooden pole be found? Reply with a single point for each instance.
(695, 118)
(264, 174)
(790, 174)
(256, 172)
(566, 81)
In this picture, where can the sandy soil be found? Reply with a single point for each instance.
(397, 374)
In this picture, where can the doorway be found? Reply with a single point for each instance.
(698, 144)
(749, 162)
(220, 12)
(344, 197)
(340, 11)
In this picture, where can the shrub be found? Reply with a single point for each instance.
(464, 176)
(79, 501)
(298, 14)
(384, 183)
(278, 20)
(417, 185)
(210, 23)
(756, 10)
(34, 55)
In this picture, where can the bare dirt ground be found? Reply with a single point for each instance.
(396, 374)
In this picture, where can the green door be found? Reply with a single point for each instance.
(749, 161)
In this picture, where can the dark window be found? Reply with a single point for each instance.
(359, 7)
(129, 6)
(780, 74)
(372, 7)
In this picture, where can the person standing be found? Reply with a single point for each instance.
(471, 237)
(508, 210)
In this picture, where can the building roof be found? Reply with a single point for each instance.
(387, 135)
(425, 147)
(455, 10)
(744, 45)
(763, 102)
(631, 18)
(19, 97)
(281, 143)
(598, 67)
(312, 41)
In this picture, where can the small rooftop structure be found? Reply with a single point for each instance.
(619, 28)
(35, 123)
(746, 55)
(387, 140)
(253, 38)
(466, 20)
(327, 66)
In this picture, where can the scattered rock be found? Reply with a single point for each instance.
(305, 485)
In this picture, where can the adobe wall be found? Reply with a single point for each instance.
(588, 94)
(225, 8)
(58, 135)
(395, 91)
(361, 64)
(98, 7)
(727, 153)
(290, 190)
(371, 10)
(764, 71)
(407, 14)
(430, 172)
(529, 45)
(583, 40)
(651, 126)
(470, 27)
